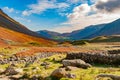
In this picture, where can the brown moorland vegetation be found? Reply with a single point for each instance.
(9, 35)
(34, 50)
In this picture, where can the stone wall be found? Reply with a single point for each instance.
(28, 59)
(106, 57)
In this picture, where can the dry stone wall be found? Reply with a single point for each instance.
(105, 57)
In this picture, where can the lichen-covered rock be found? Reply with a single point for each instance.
(76, 63)
(59, 73)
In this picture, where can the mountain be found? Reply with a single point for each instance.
(80, 34)
(48, 34)
(8, 36)
(12, 32)
(112, 28)
(8, 22)
(92, 31)
(53, 35)
(75, 35)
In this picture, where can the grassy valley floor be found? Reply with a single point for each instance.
(29, 70)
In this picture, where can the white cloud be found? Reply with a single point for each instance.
(43, 5)
(85, 15)
(81, 10)
(82, 15)
(10, 10)
(22, 19)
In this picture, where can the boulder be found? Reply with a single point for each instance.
(76, 63)
(59, 73)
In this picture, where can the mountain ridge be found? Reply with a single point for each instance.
(91, 31)
(8, 22)
(12, 31)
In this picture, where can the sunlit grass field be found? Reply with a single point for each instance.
(55, 62)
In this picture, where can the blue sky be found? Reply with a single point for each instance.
(54, 15)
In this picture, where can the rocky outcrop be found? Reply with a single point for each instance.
(104, 57)
(76, 63)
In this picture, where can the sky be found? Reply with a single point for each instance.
(61, 15)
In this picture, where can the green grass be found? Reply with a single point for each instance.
(9, 51)
(55, 62)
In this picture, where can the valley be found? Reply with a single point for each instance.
(91, 53)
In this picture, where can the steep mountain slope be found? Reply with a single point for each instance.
(8, 36)
(112, 28)
(7, 22)
(13, 32)
(80, 34)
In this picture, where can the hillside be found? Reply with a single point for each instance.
(92, 31)
(113, 38)
(112, 28)
(74, 35)
(53, 35)
(80, 34)
(48, 34)
(6, 38)
(8, 22)
(12, 32)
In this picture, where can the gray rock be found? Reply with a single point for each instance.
(59, 73)
(76, 63)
